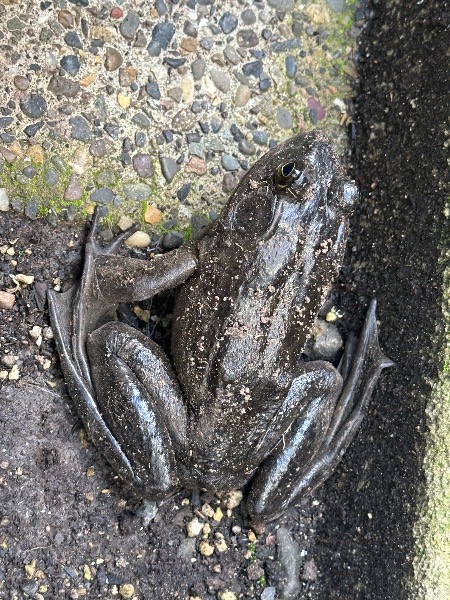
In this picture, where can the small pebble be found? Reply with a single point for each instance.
(189, 44)
(139, 239)
(98, 148)
(141, 120)
(231, 55)
(190, 29)
(226, 595)
(125, 222)
(229, 182)
(248, 17)
(154, 48)
(71, 38)
(228, 22)
(205, 548)
(36, 153)
(129, 25)
(65, 18)
(184, 120)
(183, 192)
(31, 130)
(268, 593)
(4, 200)
(152, 214)
(291, 66)
(173, 62)
(7, 300)
(207, 43)
(33, 106)
(70, 63)
(103, 195)
(260, 137)
(220, 79)
(32, 208)
(247, 38)
(74, 190)
(253, 69)
(284, 118)
(196, 165)
(152, 89)
(51, 177)
(126, 590)
(127, 75)
(162, 34)
(169, 167)
(116, 13)
(247, 147)
(161, 7)
(113, 59)
(21, 82)
(229, 163)
(62, 86)
(198, 68)
(80, 129)
(137, 191)
(172, 240)
(143, 165)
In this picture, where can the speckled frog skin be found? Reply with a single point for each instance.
(235, 402)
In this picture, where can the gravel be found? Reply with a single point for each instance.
(33, 106)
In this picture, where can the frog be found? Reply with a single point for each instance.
(234, 403)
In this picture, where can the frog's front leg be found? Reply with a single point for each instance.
(314, 444)
(91, 303)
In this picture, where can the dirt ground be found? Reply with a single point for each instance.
(69, 529)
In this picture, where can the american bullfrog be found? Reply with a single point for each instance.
(235, 402)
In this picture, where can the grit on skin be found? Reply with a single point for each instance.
(153, 110)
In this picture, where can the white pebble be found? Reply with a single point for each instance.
(194, 527)
(139, 239)
(4, 200)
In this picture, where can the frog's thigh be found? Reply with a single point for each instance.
(140, 400)
(312, 396)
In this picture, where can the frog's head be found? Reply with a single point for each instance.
(284, 229)
(297, 182)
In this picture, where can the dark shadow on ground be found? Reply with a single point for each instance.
(366, 541)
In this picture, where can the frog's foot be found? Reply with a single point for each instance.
(296, 466)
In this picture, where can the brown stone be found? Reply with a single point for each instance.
(65, 18)
(113, 59)
(7, 300)
(21, 83)
(9, 156)
(127, 75)
(36, 153)
(189, 44)
(196, 165)
(152, 214)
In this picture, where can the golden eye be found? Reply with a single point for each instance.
(286, 174)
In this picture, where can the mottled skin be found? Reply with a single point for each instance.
(238, 401)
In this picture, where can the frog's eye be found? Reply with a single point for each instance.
(286, 174)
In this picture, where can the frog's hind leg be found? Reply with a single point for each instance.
(285, 476)
(141, 404)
